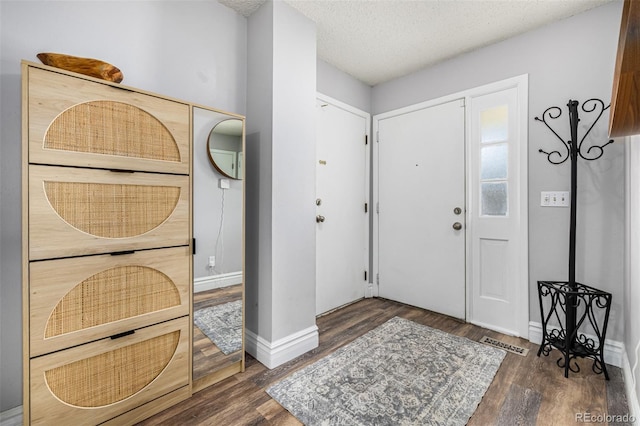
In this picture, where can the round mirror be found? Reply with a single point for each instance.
(224, 147)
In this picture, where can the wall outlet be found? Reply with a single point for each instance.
(212, 261)
(554, 198)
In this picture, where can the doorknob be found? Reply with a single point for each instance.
(457, 226)
(319, 218)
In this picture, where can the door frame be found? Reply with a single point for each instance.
(521, 83)
(367, 261)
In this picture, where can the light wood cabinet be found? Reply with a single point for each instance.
(79, 211)
(107, 250)
(78, 122)
(94, 382)
(82, 299)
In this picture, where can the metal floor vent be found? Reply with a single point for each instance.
(506, 346)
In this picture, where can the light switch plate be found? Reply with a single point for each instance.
(554, 198)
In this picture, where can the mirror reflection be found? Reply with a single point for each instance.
(218, 276)
(225, 148)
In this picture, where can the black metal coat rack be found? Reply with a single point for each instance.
(568, 306)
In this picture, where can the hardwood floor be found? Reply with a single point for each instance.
(525, 391)
(207, 357)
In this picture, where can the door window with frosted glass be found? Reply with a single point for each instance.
(494, 156)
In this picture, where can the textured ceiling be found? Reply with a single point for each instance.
(379, 40)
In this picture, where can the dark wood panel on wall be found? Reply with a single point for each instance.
(624, 119)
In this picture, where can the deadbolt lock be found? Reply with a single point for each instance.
(318, 201)
(457, 210)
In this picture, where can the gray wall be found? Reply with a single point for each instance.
(570, 59)
(208, 208)
(294, 179)
(190, 50)
(342, 86)
(281, 139)
(259, 210)
(632, 284)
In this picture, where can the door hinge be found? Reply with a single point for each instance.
(378, 208)
(366, 207)
(377, 136)
(366, 139)
(365, 275)
(377, 278)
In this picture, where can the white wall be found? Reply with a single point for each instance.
(191, 50)
(281, 204)
(570, 59)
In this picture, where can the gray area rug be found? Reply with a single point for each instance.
(400, 373)
(222, 324)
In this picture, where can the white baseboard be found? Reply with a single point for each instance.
(273, 354)
(632, 396)
(368, 291)
(12, 417)
(217, 281)
(613, 350)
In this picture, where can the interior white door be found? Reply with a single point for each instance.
(225, 160)
(421, 186)
(342, 233)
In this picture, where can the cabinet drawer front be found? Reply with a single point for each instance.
(82, 211)
(92, 383)
(83, 299)
(77, 122)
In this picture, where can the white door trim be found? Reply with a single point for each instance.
(368, 290)
(521, 83)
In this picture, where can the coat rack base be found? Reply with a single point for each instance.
(566, 310)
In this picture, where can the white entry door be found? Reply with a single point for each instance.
(421, 208)
(342, 187)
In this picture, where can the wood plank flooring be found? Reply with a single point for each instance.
(525, 391)
(207, 357)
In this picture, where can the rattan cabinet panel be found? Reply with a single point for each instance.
(97, 381)
(78, 122)
(76, 211)
(78, 300)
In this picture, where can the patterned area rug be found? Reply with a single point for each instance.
(400, 373)
(222, 324)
